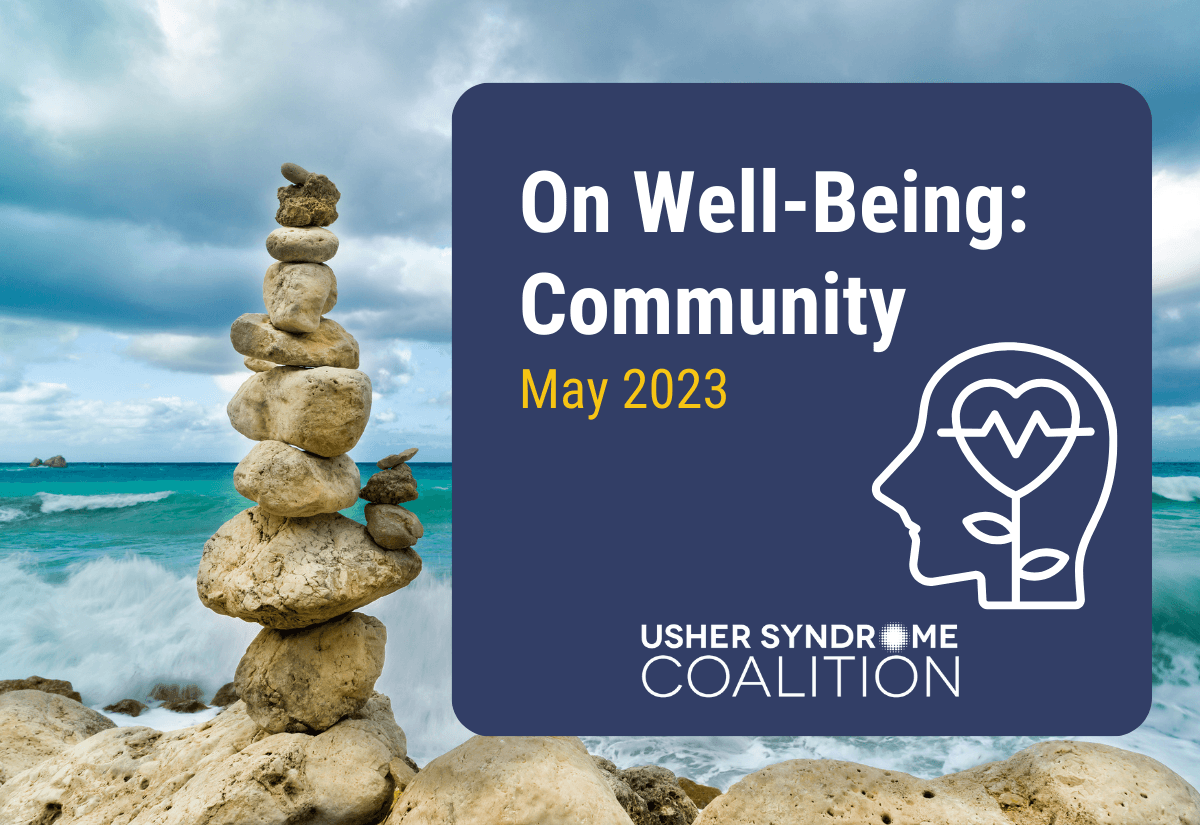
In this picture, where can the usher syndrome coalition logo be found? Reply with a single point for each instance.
(694, 328)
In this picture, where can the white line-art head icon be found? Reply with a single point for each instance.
(1010, 525)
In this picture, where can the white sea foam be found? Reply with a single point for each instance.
(116, 627)
(56, 503)
(11, 514)
(1176, 488)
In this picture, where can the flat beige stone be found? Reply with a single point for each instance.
(307, 244)
(257, 364)
(226, 771)
(35, 726)
(322, 410)
(297, 295)
(287, 573)
(304, 681)
(330, 345)
(510, 780)
(396, 459)
(392, 526)
(290, 482)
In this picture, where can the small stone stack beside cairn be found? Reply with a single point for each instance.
(294, 564)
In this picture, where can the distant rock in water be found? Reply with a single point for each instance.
(59, 686)
(55, 461)
(37, 462)
(173, 693)
(126, 707)
(225, 697)
(185, 705)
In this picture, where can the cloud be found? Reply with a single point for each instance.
(443, 400)
(184, 353)
(391, 367)
(24, 342)
(1176, 228)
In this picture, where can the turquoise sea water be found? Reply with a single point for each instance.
(99, 561)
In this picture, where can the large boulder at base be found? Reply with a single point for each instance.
(290, 482)
(287, 573)
(513, 780)
(322, 410)
(392, 526)
(392, 486)
(665, 800)
(226, 771)
(304, 681)
(60, 686)
(35, 726)
(1083, 783)
(297, 295)
(254, 335)
(309, 244)
(806, 791)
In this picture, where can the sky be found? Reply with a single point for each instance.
(141, 143)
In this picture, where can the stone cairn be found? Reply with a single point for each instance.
(293, 563)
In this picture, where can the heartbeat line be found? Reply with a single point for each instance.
(1015, 448)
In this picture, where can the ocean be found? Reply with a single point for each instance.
(99, 563)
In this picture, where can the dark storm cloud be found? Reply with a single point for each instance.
(141, 142)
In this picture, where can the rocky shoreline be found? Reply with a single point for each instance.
(61, 762)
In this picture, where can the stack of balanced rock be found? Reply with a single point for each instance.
(293, 563)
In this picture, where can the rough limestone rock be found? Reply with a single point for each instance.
(666, 801)
(56, 461)
(225, 771)
(225, 696)
(257, 364)
(392, 526)
(806, 791)
(35, 726)
(700, 794)
(59, 686)
(322, 410)
(290, 482)
(297, 295)
(396, 459)
(37, 462)
(287, 573)
(632, 804)
(1082, 783)
(304, 681)
(126, 707)
(394, 486)
(311, 202)
(253, 335)
(309, 244)
(514, 780)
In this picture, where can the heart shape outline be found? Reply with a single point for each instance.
(1071, 433)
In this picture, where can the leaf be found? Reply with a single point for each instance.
(1044, 553)
(1003, 538)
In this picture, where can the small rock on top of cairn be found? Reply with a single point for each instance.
(396, 459)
